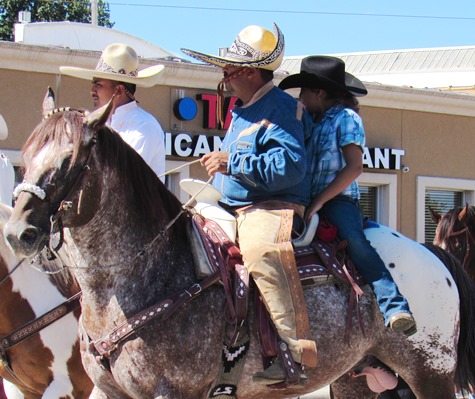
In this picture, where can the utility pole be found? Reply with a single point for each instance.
(94, 13)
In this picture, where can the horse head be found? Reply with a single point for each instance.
(57, 156)
(456, 233)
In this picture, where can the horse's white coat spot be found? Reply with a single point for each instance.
(431, 274)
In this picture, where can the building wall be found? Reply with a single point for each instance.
(436, 145)
(434, 129)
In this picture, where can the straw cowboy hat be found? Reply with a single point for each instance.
(253, 47)
(324, 72)
(118, 62)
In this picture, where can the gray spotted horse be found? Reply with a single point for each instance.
(126, 236)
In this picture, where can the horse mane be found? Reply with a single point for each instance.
(463, 377)
(54, 129)
(151, 197)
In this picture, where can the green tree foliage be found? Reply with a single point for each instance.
(48, 11)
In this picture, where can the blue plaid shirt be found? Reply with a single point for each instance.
(339, 127)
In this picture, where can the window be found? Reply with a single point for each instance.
(15, 159)
(172, 180)
(379, 197)
(368, 201)
(443, 194)
(441, 201)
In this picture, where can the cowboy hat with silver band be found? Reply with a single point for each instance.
(324, 72)
(253, 47)
(118, 62)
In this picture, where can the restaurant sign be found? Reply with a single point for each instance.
(190, 145)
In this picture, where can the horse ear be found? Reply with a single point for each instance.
(436, 216)
(463, 212)
(95, 120)
(48, 102)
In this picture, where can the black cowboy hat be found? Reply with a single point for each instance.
(324, 72)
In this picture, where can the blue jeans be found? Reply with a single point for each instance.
(344, 213)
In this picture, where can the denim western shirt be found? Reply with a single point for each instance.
(267, 153)
(338, 128)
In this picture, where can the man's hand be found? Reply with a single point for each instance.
(216, 161)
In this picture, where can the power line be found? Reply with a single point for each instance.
(352, 14)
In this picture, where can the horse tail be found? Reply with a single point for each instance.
(465, 370)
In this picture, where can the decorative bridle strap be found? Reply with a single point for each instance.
(35, 326)
(165, 308)
(65, 204)
(469, 242)
(63, 109)
(29, 188)
(457, 233)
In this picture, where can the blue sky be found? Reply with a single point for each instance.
(309, 26)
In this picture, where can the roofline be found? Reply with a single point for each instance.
(423, 100)
(372, 52)
(45, 59)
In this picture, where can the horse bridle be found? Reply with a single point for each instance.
(64, 205)
(468, 239)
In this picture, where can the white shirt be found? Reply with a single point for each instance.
(7, 180)
(143, 133)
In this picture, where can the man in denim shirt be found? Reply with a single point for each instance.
(262, 173)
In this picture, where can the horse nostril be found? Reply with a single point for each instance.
(29, 235)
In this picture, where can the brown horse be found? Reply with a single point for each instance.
(456, 233)
(39, 341)
(125, 233)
